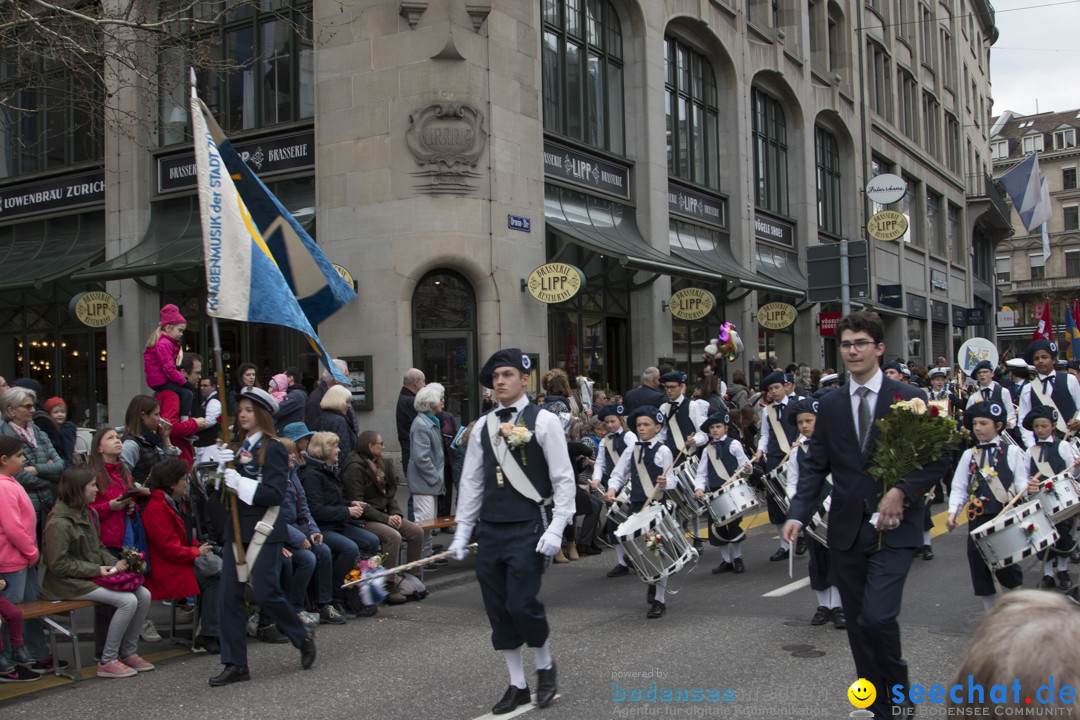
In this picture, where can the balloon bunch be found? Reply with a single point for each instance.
(728, 343)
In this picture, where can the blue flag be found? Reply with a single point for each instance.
(1072, 336)
(1024, 183)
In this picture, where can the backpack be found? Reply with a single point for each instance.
(412, 587)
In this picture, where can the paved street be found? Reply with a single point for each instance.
(433, 659)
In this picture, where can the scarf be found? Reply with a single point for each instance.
(380, 475)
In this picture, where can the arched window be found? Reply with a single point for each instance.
(444, 339)
(827, 152)
(583, 72)
(770, 153)
(692, 115)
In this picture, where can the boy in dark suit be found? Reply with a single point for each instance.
(870, 562)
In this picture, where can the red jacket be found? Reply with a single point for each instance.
(172, 555)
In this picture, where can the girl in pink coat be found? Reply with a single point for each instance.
(161, 358)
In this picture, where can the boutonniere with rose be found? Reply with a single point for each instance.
(244, 457)
(516, 436)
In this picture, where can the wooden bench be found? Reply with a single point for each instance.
(438, 523)
(45, 610)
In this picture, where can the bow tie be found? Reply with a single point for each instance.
(988, 446)
(643, 443)
(1046, 443)
(719, 442)
(505, 414)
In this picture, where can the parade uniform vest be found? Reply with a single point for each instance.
(722, 449)
(991, 505)
(994, 396)
(681, 415)
(648, 457)
(500, 502)
(208, 435)
(773, 453)
(1049, 454)
(1060, 395)
(618, 447)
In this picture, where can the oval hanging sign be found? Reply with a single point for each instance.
(345, 274)
(886, 189)
(887, 225)
(555, 282)
(776, 315)
(95, 309)
(691, 303)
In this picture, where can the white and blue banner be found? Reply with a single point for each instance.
(1031, 196)
(244, 280)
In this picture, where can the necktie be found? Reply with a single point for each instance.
(864, 415)
(672, 409)
(505, 414)
(245, 447)
(987, 446)
(1048, 384)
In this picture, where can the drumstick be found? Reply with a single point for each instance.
(406, 566)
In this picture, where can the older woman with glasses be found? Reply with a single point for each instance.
(427, 459)
(43, 468)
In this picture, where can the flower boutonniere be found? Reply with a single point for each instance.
(244, 457)
(1048, 487)
(516, 436)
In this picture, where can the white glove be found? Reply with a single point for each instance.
(550, 542)
(243, 487)
(224, 455)
(460, 545)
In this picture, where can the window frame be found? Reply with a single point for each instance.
(998, 273)
(702, 100)
(1072, 263)
(1068, 178)
(771, 174)
(829, 182)
(1070, 218)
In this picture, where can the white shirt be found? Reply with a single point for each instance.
(874, 385)
(213, 411)
(766, 426)
(602, 454)
(699, 413)
(1064, 449)
(619, 476)
(701, 481)
(549, 435)
(1019, 462)
(1025, 402)
(984, 394)
(791, 478)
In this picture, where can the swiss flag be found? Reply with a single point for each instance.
(1045, 329)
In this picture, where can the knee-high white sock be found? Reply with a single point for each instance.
(620, 554)
(783, 543)
(1063, 562)
(1048, 568)
(987, 601)
(926, 537)
(725, 553)
(517, 671)
(822, 598)
(661, 590)
(736, 549)
(543, 656)
(834, 597)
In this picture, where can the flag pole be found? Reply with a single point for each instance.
(226, 422)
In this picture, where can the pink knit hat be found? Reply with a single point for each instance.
(170, 315)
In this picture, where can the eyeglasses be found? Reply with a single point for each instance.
(859, 345)
(672, 387)
(27, 406)
(379, 443)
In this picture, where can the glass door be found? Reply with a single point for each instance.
(447, 357)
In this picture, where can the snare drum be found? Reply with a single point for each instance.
(1062, 501)
(733, 502)
(818, 527)
(620, 509)
(655, 526)
(776, 486)
(1015, 534)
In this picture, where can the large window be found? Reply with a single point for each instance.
(1068, 178)
(267, 53)
(692, 116)
(45, 119)
(1070, 216)
(931, 125)
(909, 104)
(956, 238)
(1072, 263)
(827, 152)
(952, 142)
(1037, 263)
(935, 238)
(583, 72)
(879, 90)
(907, 208)
(770, 153)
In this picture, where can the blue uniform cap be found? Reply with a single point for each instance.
(646, 411)
(773, 378)
(800, 406)
(675, 376)
(1029, 354)
(507, 357)
(720, 418)
(985, 410)
(260, 397)
(609, 410)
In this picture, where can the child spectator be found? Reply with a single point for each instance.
(18, 550)
(57, 409)
(161, 358)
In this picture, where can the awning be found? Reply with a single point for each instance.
(35, 253)
(782, 269)
(173, 242)
(609, 229)
(879, 308)
(698, 246)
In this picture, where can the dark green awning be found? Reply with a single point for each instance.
(34, 253)
(704, 249)
(782, 269)
(609, 228)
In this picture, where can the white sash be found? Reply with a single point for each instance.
(643, 475)
(1036, 387)
(509, 466)
(1041, 465)
(263, 528)
(714, 460)
(674, 429)
(778, 430)
(609, 445)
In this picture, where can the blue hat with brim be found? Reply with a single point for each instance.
(296, 431)
(675, 376)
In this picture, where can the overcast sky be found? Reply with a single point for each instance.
(1036, 56)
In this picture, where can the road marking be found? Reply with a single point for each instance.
(514, 713)
(788, 589)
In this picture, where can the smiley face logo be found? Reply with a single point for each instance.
(862, 693)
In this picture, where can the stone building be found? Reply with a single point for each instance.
(441, 152)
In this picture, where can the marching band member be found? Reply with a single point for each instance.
(948, 404)
(506, 486)
(680, 433)
(1019, 376)
(774, 444)
(803, 415)
(988, 476)
(643, 468)
(1055, 389)
(722, 458)
(991, 392)
(611, 450)
(893, 370)
(1050, 457)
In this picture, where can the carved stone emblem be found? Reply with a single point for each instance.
(447, 140)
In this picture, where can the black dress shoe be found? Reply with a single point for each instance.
(723, 568)
(270, 634)
(657, 610)
(511, 699)
(821, 616)
(1064, 579)
(1074, 556)
(618, 571)
(839, 620)
(650, 594)
(210, 644)
(545, 686)
(738, 565)
(1048, 582)
(928, 553)
(800, 546)
(307, 650)
(780, 554)
(587, 550)
(231, 674)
